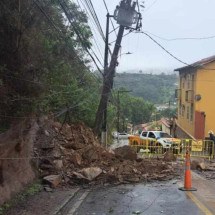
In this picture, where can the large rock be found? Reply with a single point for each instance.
(198, 164)
(88, 173)
(201, 166)
(126, 152)
(52, 180)
(169, 156)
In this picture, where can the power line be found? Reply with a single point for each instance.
(53, 24)
(181, 38)
(176, 58)
(68, 15)
(89, 7)
(151, 5)
(123, 36)
(95, 17)
(92, 27)
(173, 56)
(60, 36)
(114, 29)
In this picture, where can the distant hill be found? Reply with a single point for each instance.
(158, 89)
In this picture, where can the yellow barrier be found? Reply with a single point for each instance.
(197, 148)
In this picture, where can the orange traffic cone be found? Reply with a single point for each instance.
(187, 176)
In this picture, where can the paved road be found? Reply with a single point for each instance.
(149, 199)
(154, 199)
(146, 199)
(119, 143)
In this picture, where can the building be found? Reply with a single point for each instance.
(196, 98)
(166, 125)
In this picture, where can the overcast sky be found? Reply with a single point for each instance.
(168, 19)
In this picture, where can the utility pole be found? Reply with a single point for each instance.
(118, 107)
(125, 15)
(104, 115)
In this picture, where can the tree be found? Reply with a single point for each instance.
(43, 62)
(132, 109)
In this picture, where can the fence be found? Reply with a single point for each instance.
(197, 148)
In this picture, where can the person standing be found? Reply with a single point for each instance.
(212, 138)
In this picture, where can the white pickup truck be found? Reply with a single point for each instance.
(155, 140)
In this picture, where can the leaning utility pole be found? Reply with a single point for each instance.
(126, 16)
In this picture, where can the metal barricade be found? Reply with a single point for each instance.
(148, 147)
(197, 148)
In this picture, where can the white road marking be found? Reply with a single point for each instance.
(78, 203)
(57, 210)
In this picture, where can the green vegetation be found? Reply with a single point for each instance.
(134, 110)
(31, 190)
(158, 89)
(42, 62)
(44, 69)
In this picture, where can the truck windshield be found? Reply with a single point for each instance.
(163, 135)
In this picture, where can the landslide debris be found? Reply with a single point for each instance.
(74, 153)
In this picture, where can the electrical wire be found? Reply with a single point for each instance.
(60, 36)
(95, 39)
(90, 6)
(150, 6)
(114, 29)
(181, 38)
(123, 36)
(80, 37)
(173, 56)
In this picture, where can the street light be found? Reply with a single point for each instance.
(126, 53)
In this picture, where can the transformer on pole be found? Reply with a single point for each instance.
(128, 18)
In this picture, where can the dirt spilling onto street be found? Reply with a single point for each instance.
(72, 155)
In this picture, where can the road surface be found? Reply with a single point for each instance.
(119, 143)
(148, 199)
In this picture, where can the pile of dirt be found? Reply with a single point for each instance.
(73, 155)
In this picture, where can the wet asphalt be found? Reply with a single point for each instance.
(150, 199)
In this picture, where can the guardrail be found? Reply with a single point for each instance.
(197, 148)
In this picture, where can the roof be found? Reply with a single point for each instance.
(199, 63)
(166, 122)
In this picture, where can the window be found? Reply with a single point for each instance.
(144, 134)
(186, 96)
(188, 82)
(192, 82)
(164, 135)
(181, 80)
(188, 112)
(183, 110)
(180, 108)
(151, 135)
(191, 112)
